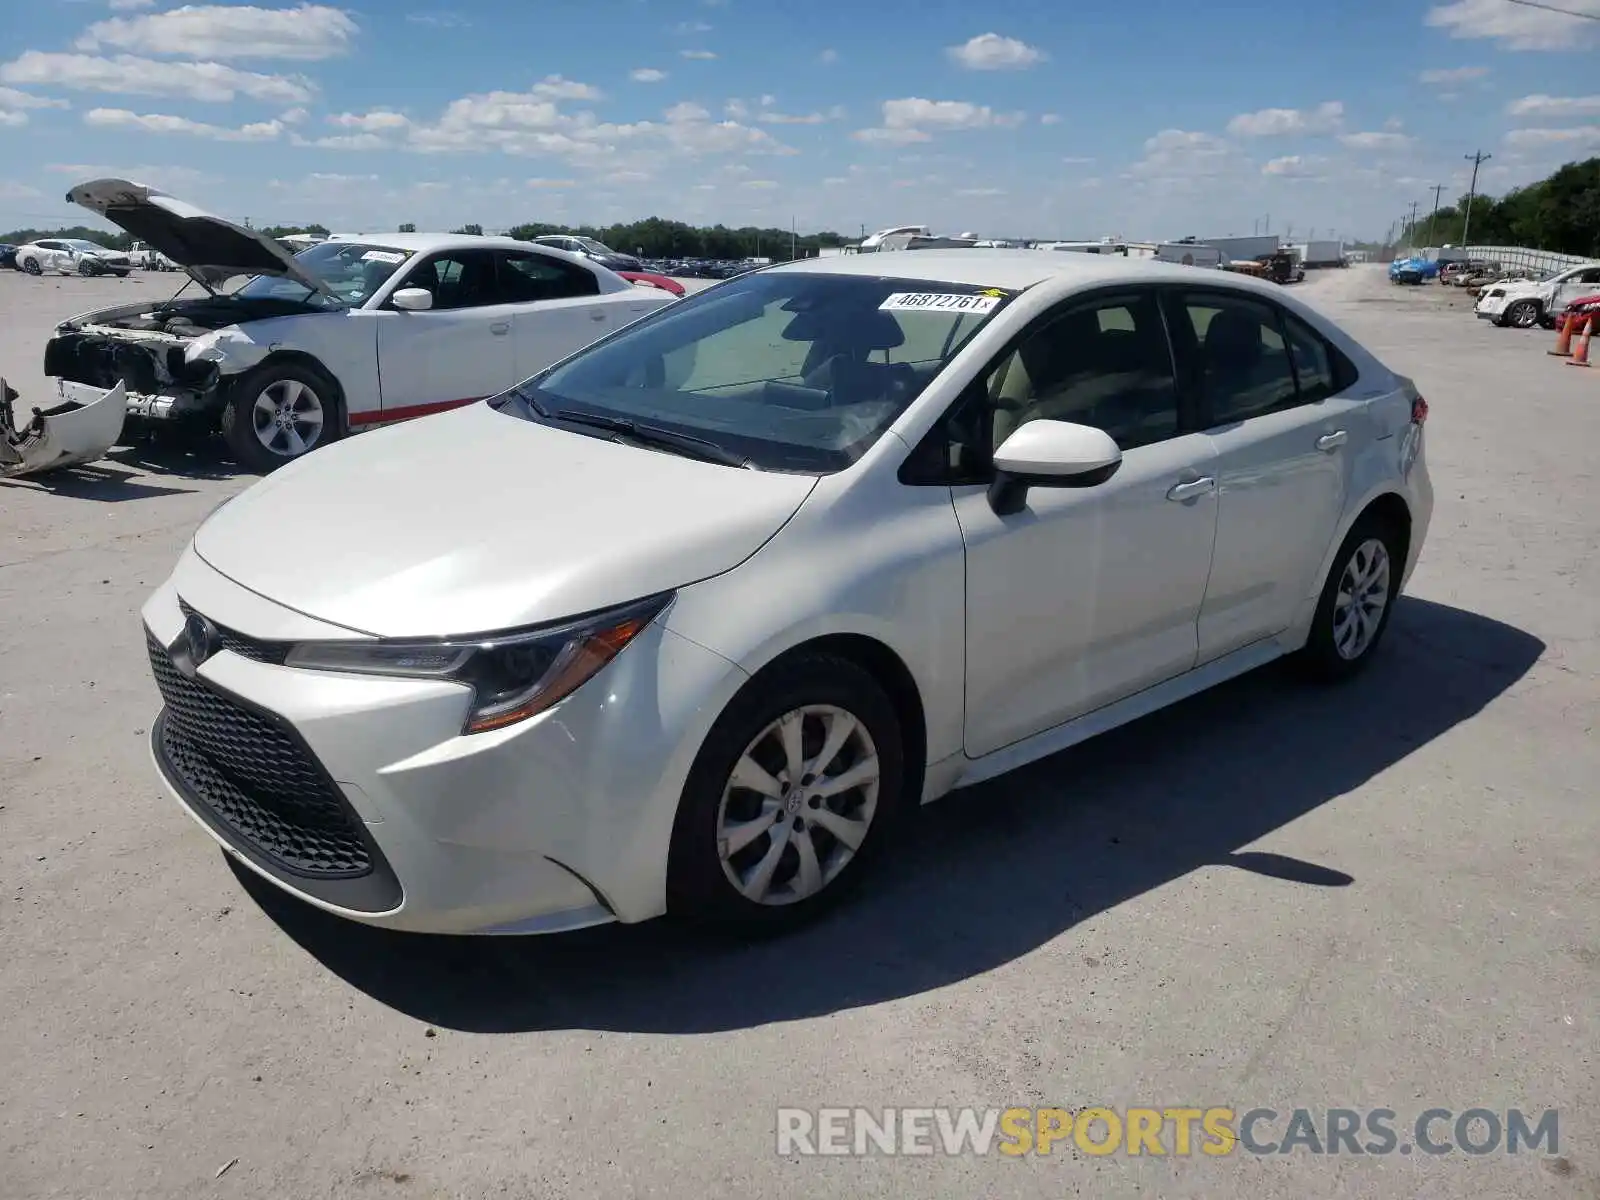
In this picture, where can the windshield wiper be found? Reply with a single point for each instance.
(661, 439)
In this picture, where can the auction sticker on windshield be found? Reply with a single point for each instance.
(383, 256)
(952, 301)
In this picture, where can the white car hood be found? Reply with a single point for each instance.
(475, 521)
(209, 248)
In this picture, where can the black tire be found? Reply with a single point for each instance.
(87, 268)
(238, 416)
(698, 887)
(1322, 657)
(30, 266)
(1524, 314)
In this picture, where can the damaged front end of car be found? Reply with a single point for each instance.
(79, 429)
(175, 359)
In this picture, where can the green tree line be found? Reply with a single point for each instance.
(657, 237)
(1560, 213)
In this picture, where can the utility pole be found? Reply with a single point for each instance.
(1414, 206)
(791, 239)
(1478, 160)
(1437, 189)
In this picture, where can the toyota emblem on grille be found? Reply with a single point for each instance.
(200, 641)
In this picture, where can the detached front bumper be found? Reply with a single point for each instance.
(359, 794)
(80, 428)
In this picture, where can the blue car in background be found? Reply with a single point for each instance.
(1413, 270)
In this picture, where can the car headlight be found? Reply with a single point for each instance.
(513, 676)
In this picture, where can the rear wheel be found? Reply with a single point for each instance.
(796, 789)
(278, 413)
(1357, 600)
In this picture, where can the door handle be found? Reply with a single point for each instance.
(597, 316)
(1329, 442)
(500, 327)
(1193, 488)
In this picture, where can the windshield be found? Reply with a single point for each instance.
(353, 271)
(86, 247)
(593, 246)
(794, 371)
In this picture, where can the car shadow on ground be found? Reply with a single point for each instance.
(181, 454)
(988, 875)
(94, 481)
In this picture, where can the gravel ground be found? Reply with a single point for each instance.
(1273, 896)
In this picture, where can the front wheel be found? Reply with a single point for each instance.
(1524, 314)
(278, 413)
(1357, 600)
(86, 268)
(32, 267)
(798, 786)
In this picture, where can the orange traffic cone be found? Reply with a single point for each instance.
(1580, 355)
(1569, 326)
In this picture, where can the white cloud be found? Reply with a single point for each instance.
(646, 75)
(295, 116)
(1183, 156)
(828, 57)
(130, 5)
(981, 191)
(121, 118)
(1276, 122)
(1296, 166)
(377, 121)
(352, 141)
(1550, 106)
(558, 87)
(1450, 75)
(698, 55)
(12, 99)
(306, 32)
(1584, 135)
(443, 19)
(13, 120)
(1520, 26)
(552, 183)
(687, 111)
(1077, 160)
(991, 52)
(130, 75)
(1387, 140)
(683, 28)
(909, 120)
(763, 185)
(1050, 119)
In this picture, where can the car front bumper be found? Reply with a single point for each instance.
(360, 795)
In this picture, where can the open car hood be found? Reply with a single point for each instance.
(209, 248)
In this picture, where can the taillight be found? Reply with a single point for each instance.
(1419, 410)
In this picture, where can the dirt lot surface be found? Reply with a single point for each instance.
(1385, 895)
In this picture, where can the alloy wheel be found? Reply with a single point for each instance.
(288, 418)
(798, 805)
(1362, 597)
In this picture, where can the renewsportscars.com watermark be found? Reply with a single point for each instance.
(1168, 1132)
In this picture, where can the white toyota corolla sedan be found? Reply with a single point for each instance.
(692, 620)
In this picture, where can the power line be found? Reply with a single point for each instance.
(1565, 12)
(1477, 160)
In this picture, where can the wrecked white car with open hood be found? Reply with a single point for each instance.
(349, 333)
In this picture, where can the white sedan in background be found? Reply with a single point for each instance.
(347, 334)
(692, 620)
(71, 256)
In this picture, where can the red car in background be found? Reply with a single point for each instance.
(664, 282)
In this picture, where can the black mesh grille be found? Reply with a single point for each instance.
(246, 647)
(255, 778)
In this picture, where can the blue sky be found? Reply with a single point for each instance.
(1148, 120)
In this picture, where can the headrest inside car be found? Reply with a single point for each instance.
(867, 329)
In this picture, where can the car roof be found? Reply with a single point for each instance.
(426, 243)
(1019, 269)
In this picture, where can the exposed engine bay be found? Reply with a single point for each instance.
(145, 347)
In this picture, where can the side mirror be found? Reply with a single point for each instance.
(412, 299)
(1050, 454)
